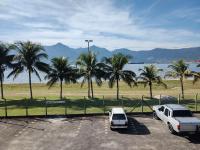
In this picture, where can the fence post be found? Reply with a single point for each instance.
(179, 97)
(122, 103)
(46, 113)
(6, 110)
(160, 99)
(26, 107)
(104, 108)
(196, 97)
(65, 107)
(84, 105)
(142, 103)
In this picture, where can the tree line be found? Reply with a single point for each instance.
(30, 57)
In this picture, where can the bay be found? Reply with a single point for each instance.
(23, 78)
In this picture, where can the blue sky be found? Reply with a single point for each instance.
(133, 24)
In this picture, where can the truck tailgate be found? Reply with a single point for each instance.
(188, 120)
(188, 124)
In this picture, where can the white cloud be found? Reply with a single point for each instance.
(72, 21)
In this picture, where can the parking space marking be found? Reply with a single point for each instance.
(79, 127)
(106, 126)
(132, 125)
(24, 129)
(20, 132)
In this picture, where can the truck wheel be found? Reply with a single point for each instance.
(155, 116)
(171, 129)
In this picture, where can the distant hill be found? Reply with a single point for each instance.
(158, 55)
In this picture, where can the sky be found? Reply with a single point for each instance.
(113, 24)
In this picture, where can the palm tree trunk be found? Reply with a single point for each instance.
(92, 89)
(2, 95)
(150, 88)
(30, 85)
(88, 87)
(182, 87)
(117, 89)
(61, 89)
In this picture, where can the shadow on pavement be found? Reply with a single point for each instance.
(134, 127)
(193, 138)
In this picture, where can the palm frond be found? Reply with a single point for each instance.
(51, 82)
(37, 74)
(61, 70)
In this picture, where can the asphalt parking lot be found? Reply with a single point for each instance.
(89, 133)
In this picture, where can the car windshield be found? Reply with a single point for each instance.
(118, 117)
(182, 113)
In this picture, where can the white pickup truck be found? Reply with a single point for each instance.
(118, 118)
(177, 117)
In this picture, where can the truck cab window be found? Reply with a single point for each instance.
(166, 112)
(161, 108)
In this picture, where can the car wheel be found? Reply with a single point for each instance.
(155, 116)
(171, 129)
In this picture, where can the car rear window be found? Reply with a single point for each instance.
(118, 117)
(182, 113)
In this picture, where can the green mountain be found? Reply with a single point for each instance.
(158, 55)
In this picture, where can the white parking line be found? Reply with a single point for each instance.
(106, 126)
(79, 127)
(133, 128)
(23, 130)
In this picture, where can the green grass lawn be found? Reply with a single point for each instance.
(76, 102)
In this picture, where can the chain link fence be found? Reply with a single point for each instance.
(100, 105)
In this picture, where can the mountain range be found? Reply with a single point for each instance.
(157, 55)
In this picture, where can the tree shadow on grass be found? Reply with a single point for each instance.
(95, 105)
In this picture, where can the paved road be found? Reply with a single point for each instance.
(91, 133)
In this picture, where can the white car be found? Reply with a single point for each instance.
(118, 118)
(177, 117)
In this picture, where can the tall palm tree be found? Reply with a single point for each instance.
(61, 71)
(179, 69)
(90, 69)
(5, 61)
(149, 75)
(196, 75)
(115, 71)
(29, 58)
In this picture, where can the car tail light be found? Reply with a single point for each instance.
(178, 127)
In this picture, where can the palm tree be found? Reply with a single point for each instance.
(61, 71)
(149, 75)
(90, 69)
(29, 58)
(115, 71)
(196, 75)
(5, 61)
(179, 69)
